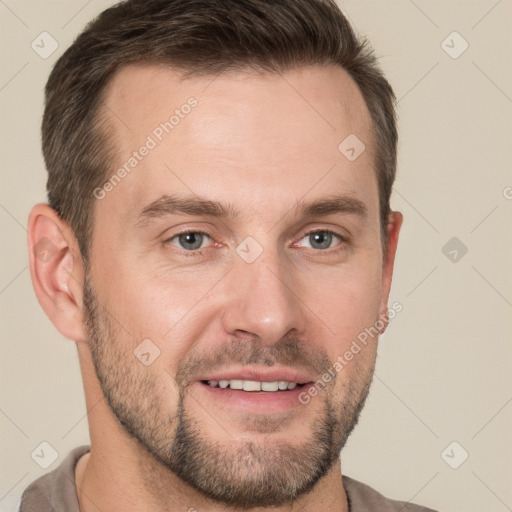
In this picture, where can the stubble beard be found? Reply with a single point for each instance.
(238, 474)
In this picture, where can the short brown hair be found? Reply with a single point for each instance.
(197, 37)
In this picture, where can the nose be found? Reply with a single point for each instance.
(266, 301)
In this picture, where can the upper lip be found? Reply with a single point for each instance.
(261, 375)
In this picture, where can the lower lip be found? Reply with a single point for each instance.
(256, 401)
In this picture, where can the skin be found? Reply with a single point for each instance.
(261, 143)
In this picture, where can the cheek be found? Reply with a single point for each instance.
(349, 301)
(166, 306)
(351, 310)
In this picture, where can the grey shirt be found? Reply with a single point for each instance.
(56, 492)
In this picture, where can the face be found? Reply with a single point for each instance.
(241, 246)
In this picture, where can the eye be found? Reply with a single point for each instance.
(190, 240)
(322, 239)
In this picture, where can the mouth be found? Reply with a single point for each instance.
(253, 385)
(255, 391)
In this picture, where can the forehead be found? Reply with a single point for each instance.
(261, 136)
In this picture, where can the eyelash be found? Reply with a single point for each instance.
(199, 252)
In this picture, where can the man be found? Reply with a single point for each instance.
(222, 250)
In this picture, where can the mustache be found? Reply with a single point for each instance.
(289, 351)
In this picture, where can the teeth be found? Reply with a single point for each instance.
(269, 386)
(236, 384)
(251, 385)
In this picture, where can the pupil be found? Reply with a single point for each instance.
(191, 240)
(321, 239)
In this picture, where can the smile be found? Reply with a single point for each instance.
(252, 385)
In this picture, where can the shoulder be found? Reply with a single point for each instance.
(55, 491)
(362, 498)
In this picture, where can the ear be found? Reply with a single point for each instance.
(56, 269)
(395, 220)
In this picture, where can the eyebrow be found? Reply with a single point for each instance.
(195, 206)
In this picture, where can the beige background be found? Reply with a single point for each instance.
(443, 372)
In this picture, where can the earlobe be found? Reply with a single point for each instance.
(56, 270)
(395, 221)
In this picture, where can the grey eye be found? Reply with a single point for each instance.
(190, 241)
(322, 239)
